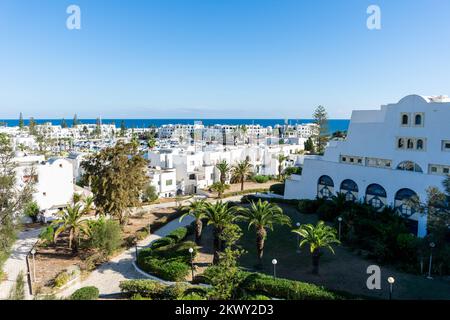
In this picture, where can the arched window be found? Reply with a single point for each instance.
(403, 202)
(418, 120)
(326, 181)
(409, 166)
(419, 144)
(376, 196)
(325, 187)
(350, 189)
(405, 119)
(400, 143)
(410, 144)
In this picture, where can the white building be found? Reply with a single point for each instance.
(53, 179)
(389, 156)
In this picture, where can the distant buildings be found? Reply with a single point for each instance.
(389, 156)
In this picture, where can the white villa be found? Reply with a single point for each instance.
(389, 156)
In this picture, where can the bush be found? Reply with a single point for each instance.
(260, 178)
(170, 270)
(144, 288)
(277, 188)
(32, 210)
(192, 296)
(175, 292)
(285, 289)
(150, 194)
(327, 212)
(85, 293)
(61, 279)
(308, 206)
(106, 236)
(142, 234)
(47, 235)
(178, 234)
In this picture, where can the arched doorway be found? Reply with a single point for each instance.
(325, 187)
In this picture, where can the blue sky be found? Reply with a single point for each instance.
(218, 58)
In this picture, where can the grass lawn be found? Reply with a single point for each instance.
(345, 271)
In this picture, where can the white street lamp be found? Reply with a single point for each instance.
(432, 245)
(340, 222)
(298, 238)
(33, 252)
(391, 281)
(191, 251)
(274, 262)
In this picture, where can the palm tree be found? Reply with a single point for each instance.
(446, 184)
(318, 236)
(71, 220)
(219, 215)
(281, 159)
(263, 216)
(220, 188)
(224, 169)
(196, 209)
(241, 171)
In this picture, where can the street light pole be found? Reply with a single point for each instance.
(298, 238)
(191, 250)
(432, 245)
(33, 252)
(391, 281)
(340, 221)
(274, 262)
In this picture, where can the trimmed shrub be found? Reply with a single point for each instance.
(85, 293)
(144, 288)
(277, 188)
(178, 234)
(175, 292)
(192, 296)
(170, 270)
(260, 178)
(286, 289)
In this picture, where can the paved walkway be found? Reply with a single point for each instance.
(109, 275)
(17, 261)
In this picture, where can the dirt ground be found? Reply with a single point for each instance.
(344, 271)
(55, 258)
(249, 185)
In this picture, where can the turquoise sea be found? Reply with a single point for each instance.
(333, 124)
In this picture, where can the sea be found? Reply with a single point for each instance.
(333, 124)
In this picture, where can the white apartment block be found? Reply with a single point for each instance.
(389, 156)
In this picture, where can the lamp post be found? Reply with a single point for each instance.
(432, 245)
(191, 251)
(33, 252)
(274, 262)
(340, 222)
(298, 238)
(391, 281)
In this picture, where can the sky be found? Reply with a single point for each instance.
(218, 58)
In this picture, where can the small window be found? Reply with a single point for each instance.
(433, 169)
(420, 144)
(400, 143)
(418, 120)
(446, 145)
(169, 182)
(344, 159)
(359, 160)
(352, 160)
(410, 144)
(405, 120)
(446, 170)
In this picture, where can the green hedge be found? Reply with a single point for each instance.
(85, 293)
(151, 289)
(167, 269)
(145, 288)
(285, 289)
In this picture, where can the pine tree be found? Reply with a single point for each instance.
(123, 128)
(321, 119)
(21, 123)
(75, 121)
(32, 126)
(63, 123)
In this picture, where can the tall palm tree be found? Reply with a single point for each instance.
(281, 159)
(446, 184)
(71, 220)
(195, 209)
(219, 215)
(224, 169)
(220, 188)
(263, 216)
(318, 237)
(241, 171)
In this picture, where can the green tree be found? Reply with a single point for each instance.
(151, 143)
(150, 194)
(219, 215)
(318, 237)
(220, 188)
(309, 145)
(224, 168)
(105, 235)
(241, 171)
(117, 177)
(263, 216)
(321, 119)
(98, 129)
(63, 123)
(21, 123)
(32, 126)
(196, 209)
(281, 159)
(12, 199)
(123, 128)
(75, 121)
(71, 220)
(32, 210)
